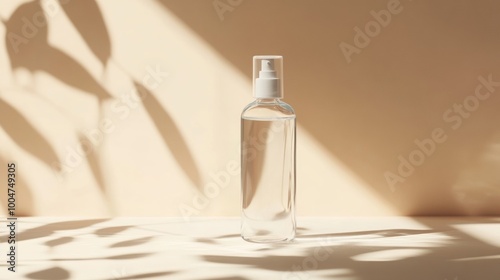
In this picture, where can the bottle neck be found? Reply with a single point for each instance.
(268, 100)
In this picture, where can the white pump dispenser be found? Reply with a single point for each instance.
(268, 76)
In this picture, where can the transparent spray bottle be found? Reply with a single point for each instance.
(268, 157)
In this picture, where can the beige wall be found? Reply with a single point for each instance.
(154, 91)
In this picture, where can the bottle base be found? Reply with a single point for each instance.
(268, 239)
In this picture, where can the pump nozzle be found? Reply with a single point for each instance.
(268, 82)
(267, 69)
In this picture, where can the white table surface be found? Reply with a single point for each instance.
(210, 248)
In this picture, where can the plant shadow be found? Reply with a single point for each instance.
(25, 134)
(53, 273)
(52, 228)
(170, 134)
(439, 252)
(28, 47)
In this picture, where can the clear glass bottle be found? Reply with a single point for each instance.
(268, 158)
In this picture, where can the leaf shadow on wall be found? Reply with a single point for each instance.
(25, 134)
(28, 48)
(88, 20)
(27, 45)
(93, 31)
(170, 134)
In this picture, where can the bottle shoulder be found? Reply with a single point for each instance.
(268, 110)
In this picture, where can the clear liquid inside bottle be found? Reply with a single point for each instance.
(268, 171)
